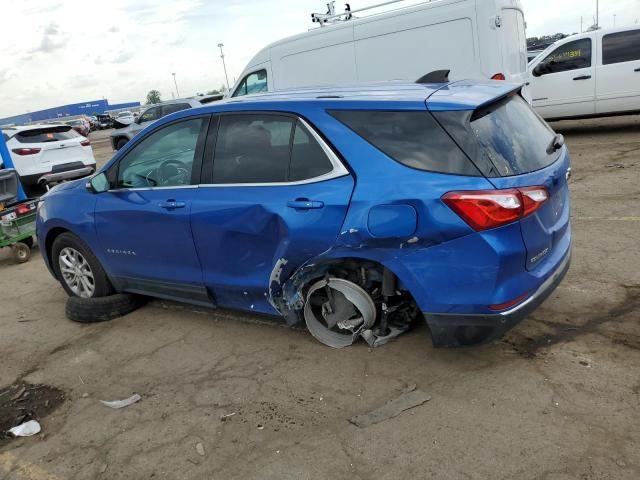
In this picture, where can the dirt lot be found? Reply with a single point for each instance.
(557, 399)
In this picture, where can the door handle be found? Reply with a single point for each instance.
(637, 69)
(582, 77)
(171, 204)
(304, 204)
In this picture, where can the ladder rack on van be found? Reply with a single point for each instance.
(332, 17)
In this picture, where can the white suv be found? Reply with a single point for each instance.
(48, 153)
(588, 75)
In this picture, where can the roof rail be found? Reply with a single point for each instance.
(437, 76)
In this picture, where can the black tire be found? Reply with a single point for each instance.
(102, 309)
(102, 285)
(21, 252)
(121, 143)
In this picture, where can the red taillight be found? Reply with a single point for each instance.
(85, 143)
(499, 76)
(22, 209)
(485, 209)
(26, 151)
(510, 303)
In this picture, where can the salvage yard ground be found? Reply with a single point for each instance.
(228, 395)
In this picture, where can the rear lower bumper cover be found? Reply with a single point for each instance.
(455, 330)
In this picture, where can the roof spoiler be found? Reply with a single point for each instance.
(437, 76)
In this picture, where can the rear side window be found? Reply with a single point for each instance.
(514, 137)
(570, 56)
(266, 148)
(621, 47)
(48, 134)
(308, 160)
(252, 149)
(412, 138)
(173, 108)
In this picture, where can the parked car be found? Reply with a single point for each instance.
(121, 136)
(588, 75)
(48, 153)
(103, 121)
(80, 125)
(472, 38)
(460, 211)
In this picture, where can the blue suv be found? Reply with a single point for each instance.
(356, 210)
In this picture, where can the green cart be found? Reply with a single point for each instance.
(17, 219)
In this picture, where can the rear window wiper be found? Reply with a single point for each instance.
(556, 143)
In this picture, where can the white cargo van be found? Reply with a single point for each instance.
(589, 74)
(471, 38)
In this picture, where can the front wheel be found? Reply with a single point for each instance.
(77, 269)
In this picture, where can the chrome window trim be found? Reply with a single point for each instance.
(142, 189)
(338, 170)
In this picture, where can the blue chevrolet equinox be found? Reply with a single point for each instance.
(357, 210)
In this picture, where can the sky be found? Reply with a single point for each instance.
(54, 52)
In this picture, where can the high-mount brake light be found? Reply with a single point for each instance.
(499, 76)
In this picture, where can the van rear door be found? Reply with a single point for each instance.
(514, 45)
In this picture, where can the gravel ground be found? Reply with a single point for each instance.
(228, 395)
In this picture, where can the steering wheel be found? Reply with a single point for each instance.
(173, 172)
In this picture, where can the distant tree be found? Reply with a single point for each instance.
(153, 97)
(593, 27)
(213, 92)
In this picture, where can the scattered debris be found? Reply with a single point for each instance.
(22, 402)
(391, 409)
(260, 427)
(103, 468)
(122, 403)
(224, 418)
(27, 429)
(200, 449)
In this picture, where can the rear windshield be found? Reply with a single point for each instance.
(412, 138)
(514, 137)
(48, 134)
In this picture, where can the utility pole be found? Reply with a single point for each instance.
(176, 84)
(580, 23)
(614, 19)
(220, 45)
(597, 15)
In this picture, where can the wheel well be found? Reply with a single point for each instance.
(51, 237)
(117, 139)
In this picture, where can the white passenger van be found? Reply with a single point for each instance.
(479, 39)
(587, 75)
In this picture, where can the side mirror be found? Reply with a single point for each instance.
(98, 183)
(538, 70)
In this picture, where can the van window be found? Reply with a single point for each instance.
(570, 56)
(255, 82)
(621, 47)
(412, 138)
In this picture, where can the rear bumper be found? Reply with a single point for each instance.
(455, 330)
(62, 172)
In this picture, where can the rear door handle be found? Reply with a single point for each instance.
(171, 204)
(304, 204)
(582, 77)
(637, 69)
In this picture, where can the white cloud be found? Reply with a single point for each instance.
(75, 50)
